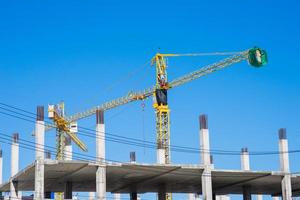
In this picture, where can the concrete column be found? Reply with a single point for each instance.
(100, 156)
(205, 159)
(117, 196)
(246, 193)
(132, 157)
(14, 166)
(160, 156)
(217, 197)
(245, 165)
(245, 161)
(47, 155)
(191, 196)
(259, 197)
(91, 195)
(133, 195)
(160, 159)
(284, 165)
(48, 193)
(39, 154)
(68, 190)
(68, 148)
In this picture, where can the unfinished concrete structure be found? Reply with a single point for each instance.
(46, 175)
(39, 154)
(245, 165)
(14, 167)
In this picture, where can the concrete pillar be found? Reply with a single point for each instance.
(117, 196)
(68, 148)
(68, 190)
(100, 156)
(47, 193)
(160, 156)
(14, 163)
(284, 165)
(133, 195)
(205, 159)
(259, 197)
(191, 196)
(245, 165)
(245, 161)
(47, 155)
(160, 159)
(91, 195)
(132, 157)
(217, 197)
(39, 154)
(246, 193)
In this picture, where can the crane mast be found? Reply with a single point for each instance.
(162, 111)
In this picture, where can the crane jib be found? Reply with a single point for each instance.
(240, 56)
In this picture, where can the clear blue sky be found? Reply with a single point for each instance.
(76, 50)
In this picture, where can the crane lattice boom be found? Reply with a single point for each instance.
(134, 96)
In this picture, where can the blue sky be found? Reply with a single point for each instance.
(82, 52)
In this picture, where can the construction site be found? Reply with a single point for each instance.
(68, 173)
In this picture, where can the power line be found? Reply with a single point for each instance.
(141, 143)
(126, 140)
(145, 167)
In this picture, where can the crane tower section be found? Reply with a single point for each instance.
(162, 110)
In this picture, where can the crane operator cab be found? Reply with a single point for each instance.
(257, 57)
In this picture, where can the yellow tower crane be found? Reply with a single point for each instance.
(255, 56)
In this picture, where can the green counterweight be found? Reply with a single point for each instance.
(257, 57)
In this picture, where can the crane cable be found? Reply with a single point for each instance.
(202, 54)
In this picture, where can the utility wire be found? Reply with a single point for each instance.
(144, 167)
(141, 143)
(126, 140)
(92, 132)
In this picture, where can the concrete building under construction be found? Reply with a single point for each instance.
(45, 176)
